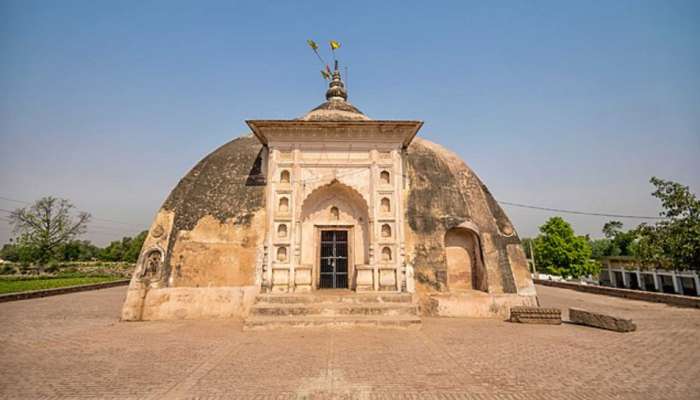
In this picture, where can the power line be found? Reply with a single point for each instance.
(115, 222)
(13, 200)
(559, 210)
(597, 214)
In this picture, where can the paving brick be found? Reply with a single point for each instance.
(73, 346)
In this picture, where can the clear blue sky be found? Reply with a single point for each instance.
(560, 104)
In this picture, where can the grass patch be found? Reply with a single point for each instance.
(12, 285)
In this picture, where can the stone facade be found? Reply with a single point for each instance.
(330, 200)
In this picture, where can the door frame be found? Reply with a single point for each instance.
(350, 229)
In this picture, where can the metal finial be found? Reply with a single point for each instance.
(336, 89)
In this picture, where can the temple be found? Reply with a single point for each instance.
(331, 218)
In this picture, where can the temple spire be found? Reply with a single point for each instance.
(336, 89)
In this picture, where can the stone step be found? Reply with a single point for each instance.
(342, 321)
(331, 309)
(355, 298)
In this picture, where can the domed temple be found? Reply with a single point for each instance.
(331, 208)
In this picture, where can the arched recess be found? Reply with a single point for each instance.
(335, 205)
(465, 262)
(385, 178)
(284, 176)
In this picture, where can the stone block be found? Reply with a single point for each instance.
(280, 276)
(365, 279)
(535, 315)
(387, 279)
(302, 276)
(602, 321)
(280, 280)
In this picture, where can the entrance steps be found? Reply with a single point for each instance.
(333, 309)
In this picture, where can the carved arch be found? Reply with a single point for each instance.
(333, 189)
(340, 180)
(151, 264)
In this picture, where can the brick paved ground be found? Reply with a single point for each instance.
(72, 346)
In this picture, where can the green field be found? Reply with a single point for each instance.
(12, 285)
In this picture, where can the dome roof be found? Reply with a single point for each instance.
(337, 107)
(335, 110)
(224, 195)
(444, 191)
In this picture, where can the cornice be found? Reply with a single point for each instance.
(367, 131)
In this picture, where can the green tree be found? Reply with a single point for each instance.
(46, 225)
(9, 252)
(127, 249)
(612, 228)
(132, 252)
(19, 251)
(559, 251)
(675, 240)
(78, 250)
(623, 243)
(601, 248)
(114, 251)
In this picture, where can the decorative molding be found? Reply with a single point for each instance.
(397, 132)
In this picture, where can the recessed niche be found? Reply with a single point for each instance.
(386, 231)
(386, 205)
(386, 254)
(281, 254)
(284, 176)
(282, 231)
(284, 205)
(385, 177)
(335, 213)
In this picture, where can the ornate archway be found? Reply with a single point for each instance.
(325, 213)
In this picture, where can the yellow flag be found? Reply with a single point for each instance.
(312, 44)
(334, 45)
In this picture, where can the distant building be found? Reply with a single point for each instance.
(629, 273)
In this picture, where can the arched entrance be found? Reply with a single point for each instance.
(465, 267)
(334, 218)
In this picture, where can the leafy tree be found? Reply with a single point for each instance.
(127, 249)
(601, 248)
(559, 251)
(78, 250)
(115, 250)
(132, 253)
(46, 225)
(19, 252)
(9, 252)
(612, 229)
(623, 243)
(675, 240)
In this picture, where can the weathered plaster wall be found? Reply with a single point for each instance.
(217, 253)
(443, 193)
(210, 231)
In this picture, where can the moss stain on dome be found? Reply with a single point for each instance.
(443, 194)
(227, 184)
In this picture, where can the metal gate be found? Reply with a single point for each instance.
(334, 259)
